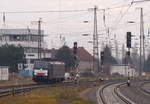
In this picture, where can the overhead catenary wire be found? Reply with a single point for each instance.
(124, 14)
(67, 11)
(50, 11)
(139, 1)
(57, 11)
(133, 1)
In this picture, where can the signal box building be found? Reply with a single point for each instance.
(28, 39)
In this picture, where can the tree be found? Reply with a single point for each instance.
(135, 57)
(108, 58)
(147, 64)
(65, 54)
(127, 60)
(11, 55)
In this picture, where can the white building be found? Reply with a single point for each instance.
(124, 70)
(4, 73)
(28, 39)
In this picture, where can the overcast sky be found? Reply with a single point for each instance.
(70, 24)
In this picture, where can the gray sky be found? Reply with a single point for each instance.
(70, 24)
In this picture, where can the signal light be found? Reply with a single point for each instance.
(75, 57)
(128, 53)
(128, 39)
(75, 48)
(102, 58)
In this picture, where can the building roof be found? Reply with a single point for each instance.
(19, 31)
(84, 55)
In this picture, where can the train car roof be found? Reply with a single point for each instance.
(56, 62)
(52, 62)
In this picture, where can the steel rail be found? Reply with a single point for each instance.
(101, 98)
(124, 99)
(100, 94)
(144, 91)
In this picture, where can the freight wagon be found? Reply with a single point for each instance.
(44, 71)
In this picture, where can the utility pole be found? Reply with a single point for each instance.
(128, 52)
(142, 47)
(39, 38)
(148, 35)
(4, 27)
(116, 47)
(4, 20)
(148, 39)
(95, 44)
(123, 52)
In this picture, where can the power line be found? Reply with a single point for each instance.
(51, 11)
(141, 1)
(124, 13)
(133, 1)
(57, 11)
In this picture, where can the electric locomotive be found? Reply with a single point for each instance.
(44, 71)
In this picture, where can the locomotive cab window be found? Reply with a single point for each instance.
(39, 65)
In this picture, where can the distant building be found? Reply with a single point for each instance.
(123, 70)
(28, 39)
(85, 60)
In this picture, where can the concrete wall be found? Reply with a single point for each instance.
(122, 70)
(85, 65)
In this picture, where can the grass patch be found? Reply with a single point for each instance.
(80, 102)
(28, 100)
(57, 95)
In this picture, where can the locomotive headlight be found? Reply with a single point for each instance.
(46, 73)
(34, 72)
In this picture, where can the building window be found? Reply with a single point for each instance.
(30, 50)
(34, 38)
(14, 38)
(18, 37)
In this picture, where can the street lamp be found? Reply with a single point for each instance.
(130, 21)
(85, 34)
(85, 21)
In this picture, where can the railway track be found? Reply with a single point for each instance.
(124, 99)
(101, 95)
(144, 91)
(136, 92)
(13, 90)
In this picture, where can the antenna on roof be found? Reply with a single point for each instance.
(28, 32)
(4, 20)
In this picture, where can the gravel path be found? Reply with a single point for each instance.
(134, 94)
(146, 87)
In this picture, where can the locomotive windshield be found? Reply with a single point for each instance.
(40, 64)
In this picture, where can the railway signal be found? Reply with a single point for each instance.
(128, 39)
(128, 53)
(102, 57)
(75, 48)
